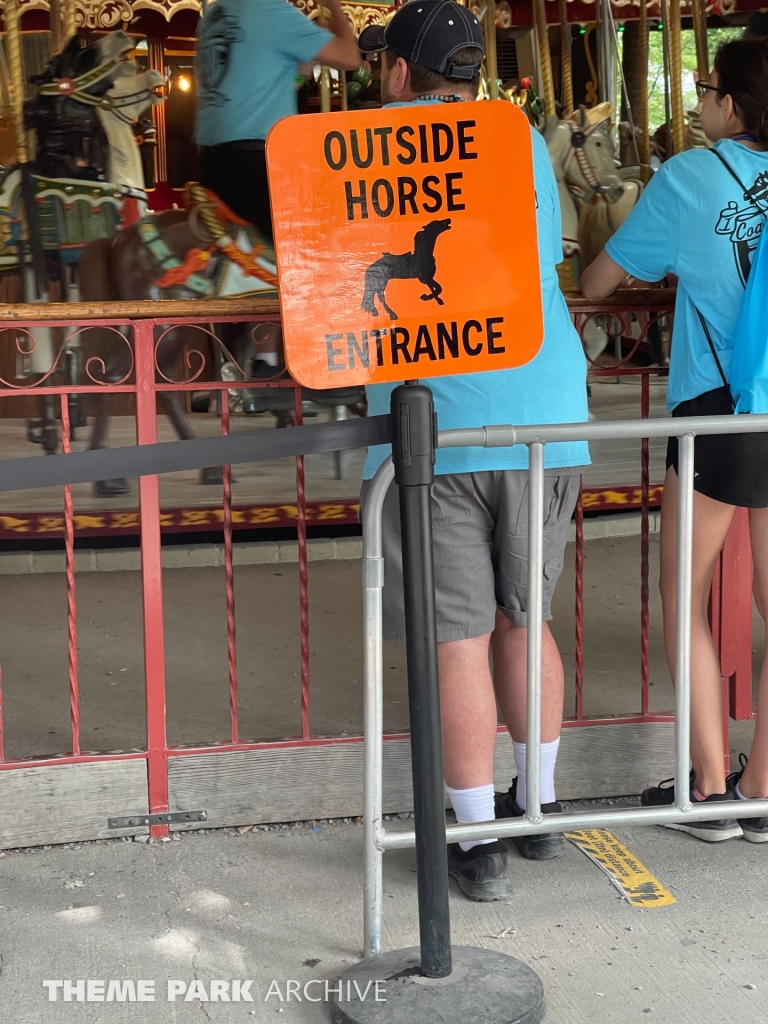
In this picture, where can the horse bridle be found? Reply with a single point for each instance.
(74, 89)
(126, 100)
(578, 153)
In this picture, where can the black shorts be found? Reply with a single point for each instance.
(237, 173)
(732, 468)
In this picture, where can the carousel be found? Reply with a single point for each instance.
(609, 85)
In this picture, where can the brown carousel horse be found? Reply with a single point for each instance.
(181, 254)
(127, 266)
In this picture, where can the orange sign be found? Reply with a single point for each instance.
(406, 242)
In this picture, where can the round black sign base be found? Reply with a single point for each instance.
(485, 987)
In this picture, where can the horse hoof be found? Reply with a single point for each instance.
(213, 476)
(111, 488)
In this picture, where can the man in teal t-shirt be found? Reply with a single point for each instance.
(248, 52)
(432, 51)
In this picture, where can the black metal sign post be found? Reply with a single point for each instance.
(413, 453)
(432, 981)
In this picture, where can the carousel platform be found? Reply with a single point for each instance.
(264, 494)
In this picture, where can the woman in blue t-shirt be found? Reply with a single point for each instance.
(700, 219)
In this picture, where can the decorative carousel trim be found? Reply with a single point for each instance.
(360, 14)
(712, 6)
(112, 14)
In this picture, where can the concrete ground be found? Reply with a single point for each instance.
(286, 905)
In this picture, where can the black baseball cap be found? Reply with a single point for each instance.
(429, 33)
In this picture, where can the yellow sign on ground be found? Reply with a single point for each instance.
(406, 242)
(633, 880)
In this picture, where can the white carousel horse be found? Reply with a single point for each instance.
(130, 96)
(595, 195)
(595, 198)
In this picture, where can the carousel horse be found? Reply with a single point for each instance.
(74, 209)
(98, 95)
(596, 196)
(204, 251)
(128, 266)
(84, 123)
(70, 92)
(191, 254)
(129, 99)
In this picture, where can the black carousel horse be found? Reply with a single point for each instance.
(64, 112)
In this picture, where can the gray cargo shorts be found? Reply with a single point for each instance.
(480, 540)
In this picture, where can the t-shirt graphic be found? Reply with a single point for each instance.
(218, 32)
(744, 224)
(247, 55)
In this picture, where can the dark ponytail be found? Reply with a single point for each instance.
(742, 70)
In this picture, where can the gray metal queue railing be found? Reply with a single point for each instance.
(376, 838)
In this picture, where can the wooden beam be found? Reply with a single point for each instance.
(146, 309)
(676, 75)
(140, 310)
(12, 18)
(491, 64)
(300, 783)
(545, 59)
(565, 59)
(699, 15)
(645, 135)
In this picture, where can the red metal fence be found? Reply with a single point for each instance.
(142, 331)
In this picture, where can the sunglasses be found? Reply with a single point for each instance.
(702, 88)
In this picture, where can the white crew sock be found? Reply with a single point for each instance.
(473, 805)
(548, 759)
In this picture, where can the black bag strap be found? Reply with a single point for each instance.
(730, 170)
(704, 324)
(712, 347)
(738, 181)
(715, 355)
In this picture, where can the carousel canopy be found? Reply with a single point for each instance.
(111, 14)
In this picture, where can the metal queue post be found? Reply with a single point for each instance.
(413, 448)
(431, 982)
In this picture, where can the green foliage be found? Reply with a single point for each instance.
(656, 85)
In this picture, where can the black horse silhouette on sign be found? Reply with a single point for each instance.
(419, 265)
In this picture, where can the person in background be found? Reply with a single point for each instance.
(700, 218)
(248, 53)
(431, 52)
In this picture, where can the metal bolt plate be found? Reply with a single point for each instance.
(156, 819)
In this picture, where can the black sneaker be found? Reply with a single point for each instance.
(480, 873)
(754, 830)
(661, 795)
(545, 847)
(709, 831)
